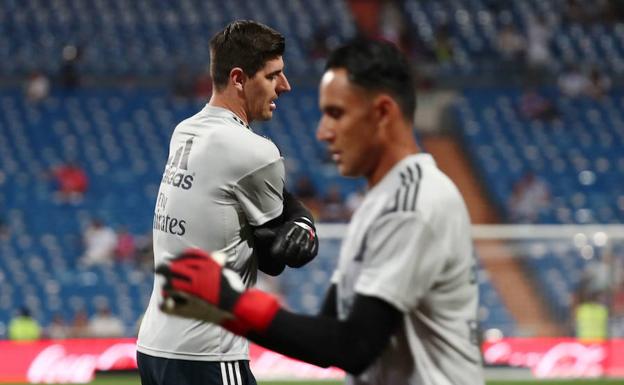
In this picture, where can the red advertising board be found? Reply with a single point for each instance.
(76, 361)
(558, 357)
(66, 361)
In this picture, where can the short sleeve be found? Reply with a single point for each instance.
(401, 260)
(335, 277)
(260, 192)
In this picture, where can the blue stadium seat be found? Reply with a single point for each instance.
(152, 37)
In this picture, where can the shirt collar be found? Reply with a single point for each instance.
(225, 113)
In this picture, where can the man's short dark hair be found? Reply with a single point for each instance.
(378, 66)
(246, 44)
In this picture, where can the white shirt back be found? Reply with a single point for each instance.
(409, 244)
(220, 179)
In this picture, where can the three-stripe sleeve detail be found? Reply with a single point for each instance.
(416, 187)
(406, 195)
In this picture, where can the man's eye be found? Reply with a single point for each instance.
(334, 112)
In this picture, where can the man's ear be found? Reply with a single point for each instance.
(385, 109)
(237, 78)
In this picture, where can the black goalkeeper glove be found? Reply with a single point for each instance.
(295, 242)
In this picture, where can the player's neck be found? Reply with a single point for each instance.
(391, 154)
(229, 102)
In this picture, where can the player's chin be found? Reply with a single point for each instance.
(349, 170)
(344, 170)
(266, 115)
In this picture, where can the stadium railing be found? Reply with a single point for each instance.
(533, 279)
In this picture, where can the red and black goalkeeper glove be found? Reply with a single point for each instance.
(197, 285)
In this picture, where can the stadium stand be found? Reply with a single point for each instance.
(578, 154)
(476, 24)
(120, 138)
(152, 37)
(119, 135)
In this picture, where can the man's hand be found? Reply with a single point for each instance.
(295, 242)
(181, 304)
(202, 274)
(197, 285)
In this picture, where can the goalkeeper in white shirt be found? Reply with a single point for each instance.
(402, 304)
(223, 189)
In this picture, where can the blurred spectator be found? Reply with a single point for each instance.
(391, 23)
(58, 328)
(100, 242)
(333, 208)
(595, 279)
(572, 82)
(598, 84)
(443, 46)
(586, 12)
(37, 87)
(535, 106)
(203, 86)
(24, 327)
(591, 317)
(69, 73)
(615, 11)
(145, 251)
(496, 7)
(594, 284)
(617, 316)
(4, 229)
(318, 45)
(595, 11)
(71, 182)
(80, 325)
(183, 82)
(573, 12)
(511, 46)
(304, 188)
(538, 54)
(104, 324)
(419, 50)
(125, 251)
(306, 192)
(510, 43)
(530, 197)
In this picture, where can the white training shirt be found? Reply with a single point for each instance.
(409, 244)
(220, 178)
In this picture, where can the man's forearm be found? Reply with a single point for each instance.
(352, 344)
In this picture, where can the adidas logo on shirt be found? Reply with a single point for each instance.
(176, 171)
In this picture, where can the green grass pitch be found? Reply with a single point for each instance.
(130, 379)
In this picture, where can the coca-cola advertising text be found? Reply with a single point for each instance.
(67, 361)
(558, 357)
(77, 361)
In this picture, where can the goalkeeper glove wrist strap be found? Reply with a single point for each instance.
(306, 222)
(254, 311)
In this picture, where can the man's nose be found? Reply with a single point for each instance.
(284, 85)
(323, 133)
